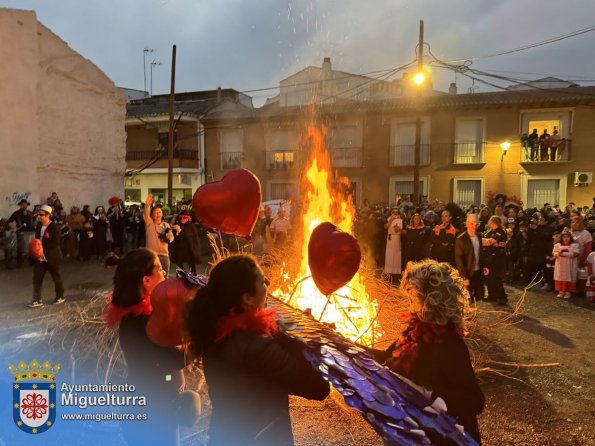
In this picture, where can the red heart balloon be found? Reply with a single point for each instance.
(333, 256)
(36, 249)
(230, 205)
(166, 324)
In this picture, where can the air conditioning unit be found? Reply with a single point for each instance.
(583, 178)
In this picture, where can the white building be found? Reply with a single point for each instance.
(62, 126)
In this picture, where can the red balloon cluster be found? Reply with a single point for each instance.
(35, 249)
(166, 325)
(230, 205)
(333, 257)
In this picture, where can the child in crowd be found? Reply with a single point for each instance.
(566, 254)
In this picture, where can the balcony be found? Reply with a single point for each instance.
(158, 154)
(404, 155)
(346, 157)
(280, 159)
(470, 152)
(534, 156)
(231, 160)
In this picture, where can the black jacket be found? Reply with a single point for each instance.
(444, 367)
(465, 255)
(443, 244)
(249, 377)
(186, 246)
(23, 219)
(50, 242)
(156, 373)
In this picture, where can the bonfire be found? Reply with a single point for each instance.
(350, 309)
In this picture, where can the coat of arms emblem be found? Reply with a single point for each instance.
(34, 396)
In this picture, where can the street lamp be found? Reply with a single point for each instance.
(419, 79)
(504, 146)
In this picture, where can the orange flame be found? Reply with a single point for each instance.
(350, 308)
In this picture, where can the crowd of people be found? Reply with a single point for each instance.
(489, 244)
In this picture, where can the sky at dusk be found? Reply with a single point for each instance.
(253, 44)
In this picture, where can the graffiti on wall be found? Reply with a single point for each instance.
(16, 197)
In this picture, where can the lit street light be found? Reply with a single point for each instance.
(504, 146)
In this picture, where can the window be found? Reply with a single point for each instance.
(549, 120)
(281, 145)
(403, 143)
(468, 191)
(346, 146)
(469, 141)
(540, 192)
(231, 148)
(536, 190)
(404, 186)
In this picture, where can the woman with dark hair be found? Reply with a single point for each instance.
(250, 368)
(431, 351)
(415, 238)
(156, 372)
(494, 256)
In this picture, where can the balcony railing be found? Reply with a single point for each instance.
(231, 160)
(280, 159)
(470, 152)
(404, 155)
(145, 155)
(536, 154)
(346, 157)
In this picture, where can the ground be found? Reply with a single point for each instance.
(545, 405)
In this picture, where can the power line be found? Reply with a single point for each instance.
(530, 45)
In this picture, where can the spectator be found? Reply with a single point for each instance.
(585, 242)
(186, 245)
(567, 254)
(75, 223)
(469, 259)
(415, 238)
(158, 233)
(100, 228)
(392, 258)
(49, 234)
(280, 228)
(553, 143)
(494, 258)
(443, 240)
(534, 144)
(25, 231)
(543, 145)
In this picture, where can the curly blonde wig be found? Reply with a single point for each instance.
(436, 292)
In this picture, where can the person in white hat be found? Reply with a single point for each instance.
(49, 234)
(469, 260)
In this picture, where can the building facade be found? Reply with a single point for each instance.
(462, 158)
(147, 142)
(62, 126)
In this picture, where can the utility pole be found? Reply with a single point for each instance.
(146, 50)
(420, 64)
(170, 149)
